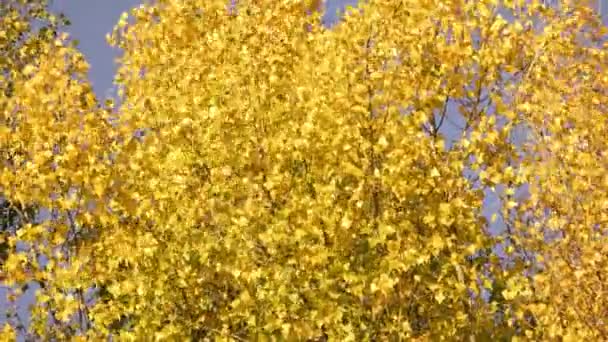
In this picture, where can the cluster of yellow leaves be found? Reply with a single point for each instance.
(55, 144)
(563, 224)
(266, 177)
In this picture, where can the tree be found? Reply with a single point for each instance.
(26, 29)
(266, 177)
(19, 45)
(51, 137)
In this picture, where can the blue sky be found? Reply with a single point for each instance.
(93, 19)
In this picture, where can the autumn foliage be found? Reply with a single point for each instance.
(262, 176)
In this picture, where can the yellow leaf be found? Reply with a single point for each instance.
(439, 297)
(346, 222)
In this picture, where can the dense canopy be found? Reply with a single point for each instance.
(262, 176)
